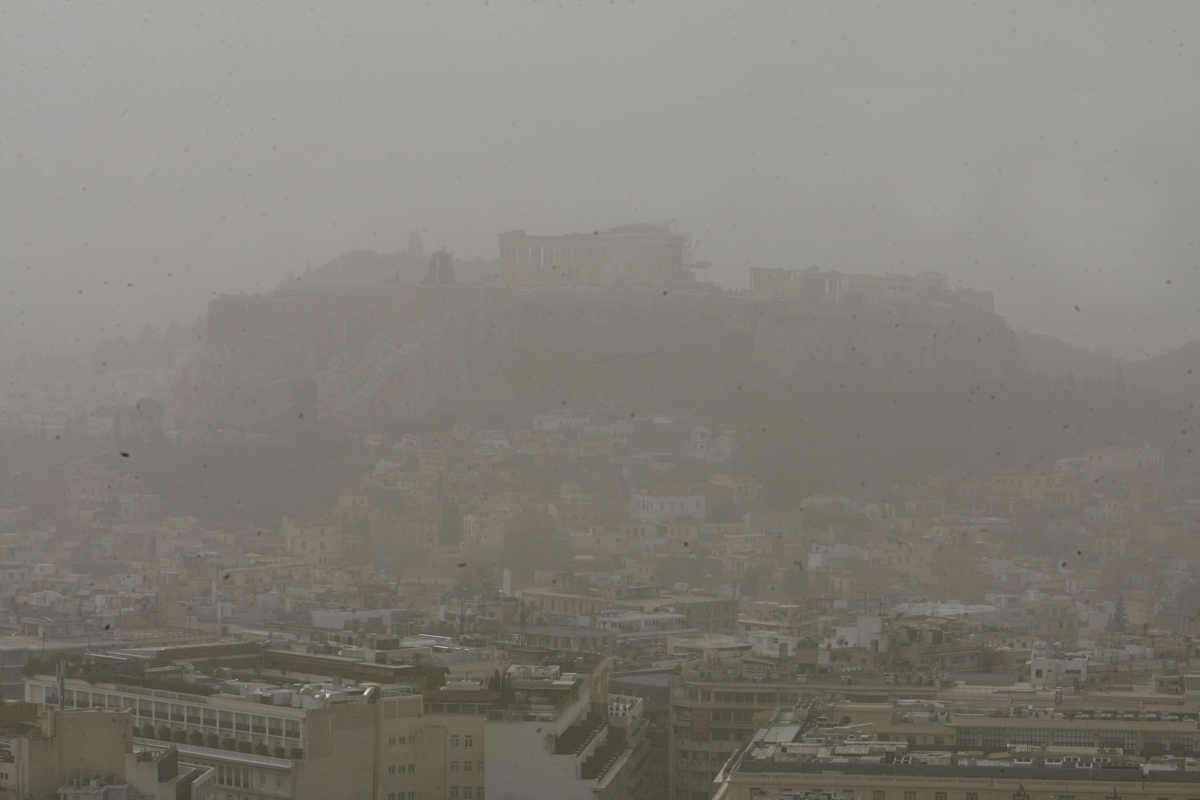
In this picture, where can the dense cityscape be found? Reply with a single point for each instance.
(575, 602)
(673, 400)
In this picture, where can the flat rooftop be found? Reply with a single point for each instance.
(986, 772)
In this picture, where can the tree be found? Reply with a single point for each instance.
(229, 743)
(1119, 619)
(181, 737)
(164, 734)
(212, 741)
(244, 746)
(196, 738)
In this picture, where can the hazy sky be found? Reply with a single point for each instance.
(154, 154)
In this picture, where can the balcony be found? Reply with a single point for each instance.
(575, 739)
(228, 756)
(604, 757)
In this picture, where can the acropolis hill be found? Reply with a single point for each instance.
(522, 343)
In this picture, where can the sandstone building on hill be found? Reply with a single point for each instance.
(630, 254)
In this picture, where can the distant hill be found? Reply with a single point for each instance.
(1175, 372)
(823, 398)
(1046, 355)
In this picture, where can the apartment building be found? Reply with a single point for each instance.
(714, 712)
(456, 717)
(702, 612)
(762, 777)
(549, 739)
(89, 753)
(1145, 732)
(316, 741)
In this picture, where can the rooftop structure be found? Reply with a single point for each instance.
(802, 755)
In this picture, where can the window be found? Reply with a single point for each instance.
(392, 770)
(479, 767)
(910, 796)
(1027, 736)
(878, 795)
(1069, 738)
(453, 793)
(939, 796)
(972, 796)
(412, 768)
(454, 766)
(468, 741)
(454, 741)
(467, 793)
(468, 766)
(478, 794)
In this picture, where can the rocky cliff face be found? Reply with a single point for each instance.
(410, 352)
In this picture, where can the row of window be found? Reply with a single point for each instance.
(478, 709)
(402, 796)
(241, 778)
(396, 740)
(734, 716)
(175, 712)
(879, 794)
(467, 741)
(1000, 738)
(402, 769)
(715, 735)
(745, 698)
(467, 766)
(468, 793)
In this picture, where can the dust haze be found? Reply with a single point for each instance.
(154, 156)
(599, 401)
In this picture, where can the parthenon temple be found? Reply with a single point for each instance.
(630, 255)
